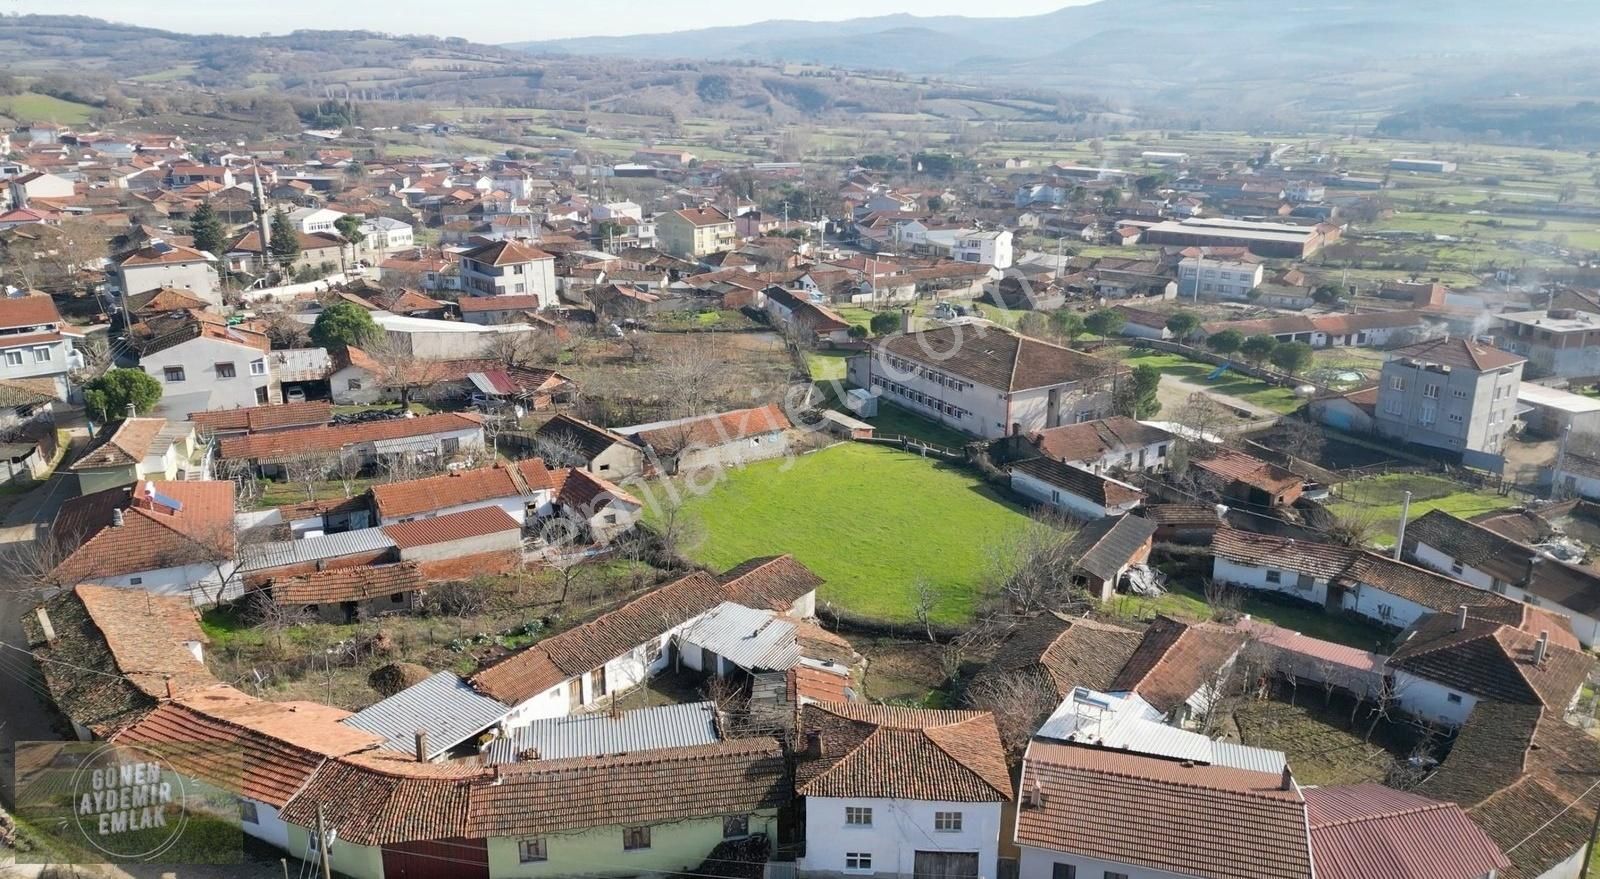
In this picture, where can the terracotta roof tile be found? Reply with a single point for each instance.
(1101, 490)
(121, 443)
(476, 522)
(1090, 440)
(996, 358)
(878, 751)
(1491, 661)
(251, 419)
(1365, 831)
(1457, 352)
(151, 536)
(286, 443)
(710, 431)
(347, 584)
(29, 310)
(1070, 652)
(461, 487)
(1181, 818)
(771, 583)
(1175, 660)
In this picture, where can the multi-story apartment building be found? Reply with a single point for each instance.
(162, 264)
(35, 341)
(986, 381)
(991, 248)
(1560, 341)
(1220, 278)
(509, 268)
(696, 232)
(1451, 394)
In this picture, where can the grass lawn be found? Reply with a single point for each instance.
(869, 520)
(892, 420)
(1380, 498)
(1317, 739)
(827, 365)
(1231, 383)
(277, 494)
(1186, 602)
(32, 107)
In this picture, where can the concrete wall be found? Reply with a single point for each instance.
(1431, 701)
(198, 581)
(1384, 608)
(1062, 499)
(268, 827)
(1260, 578)
(675, 847)
(198, 278)
(734, 452)
(451, 549)
(199, 358)
(900, 828)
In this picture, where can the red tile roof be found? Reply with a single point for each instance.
(996, 358)
(1491, 661)
(770, 583)
(258, 418)
(151, 537)
(1248, 469)
(710, 431)
(121, 443)
(1182, 818)
(476, 304)
(1175, 660)
(506, 252)
(460, 487)
(1457, 352)
(878, 751)
(1368, 831)
(1091, 440)
(477, 522)
(347, 584)
(287, 443)
(29, 310)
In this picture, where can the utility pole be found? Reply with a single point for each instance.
(1400, 536)
(1588, 848)
(323, 845)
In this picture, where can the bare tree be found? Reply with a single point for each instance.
(1352, 528)
(1031, 569)
(1224, 601)
(926, 597)
(95, 350)
(515, 350)
(676, 528)
(1019, 703)
(28, 567)
(458, 598)
(283, 331)
(1300, 439)
(559, 449)
(310, 469)
(262, 611)
(402, 373)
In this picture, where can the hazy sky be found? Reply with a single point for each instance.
(496, 21)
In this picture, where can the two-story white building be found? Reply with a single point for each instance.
(986, 381)
(203, 364)
(163, 264)
(988, 248)
(35, 343)
(1217, 277)
(903, 792)
(509, 268)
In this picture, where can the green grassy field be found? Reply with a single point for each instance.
(1184, 602)
(827, 365)
(31, 107)
(1231, 383)
(870, 520)
(1379, 498)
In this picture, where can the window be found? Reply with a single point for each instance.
(226, 370)
(1429, 414)
(1430, 391)
(1394, 406)
(172, 373)
(13, 358)
(1455, 417)
(397, 597)
(1274, 576)
(41, 355)
(258, 367)
(858, 816)
(1397, 382)
(451, 445)
(247, 812)
(1114, 875)
(353, 384)
(135, 581)
(1456, 568)
(735, 826)
(1453, 698)
(635, 839)
(861, 861)
(1063, 871)
(531, 851)
(947, 822)
(1498, 587)
(1385, 611)
(1459, 394)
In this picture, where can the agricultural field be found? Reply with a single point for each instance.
(870, 520)
(1378, 499)
(32, 107)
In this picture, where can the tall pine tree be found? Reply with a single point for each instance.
(207, 230)
(285, 244)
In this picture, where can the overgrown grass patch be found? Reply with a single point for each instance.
(871, 521)
(1380, 499)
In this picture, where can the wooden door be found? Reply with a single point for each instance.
(574, 694)
(943, 865)
(438, 859)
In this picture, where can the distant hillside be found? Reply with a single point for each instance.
(1355, 55)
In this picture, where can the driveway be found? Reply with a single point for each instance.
(1187, 387)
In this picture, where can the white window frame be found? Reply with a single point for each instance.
(858, 816)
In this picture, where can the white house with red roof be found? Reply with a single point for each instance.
(172, 538)
(509, 268)
(35, 343)
(163, 264)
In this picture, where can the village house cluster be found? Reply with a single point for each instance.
(299, 384)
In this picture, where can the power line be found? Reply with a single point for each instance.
(1540, 829)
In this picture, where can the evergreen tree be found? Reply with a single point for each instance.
(285, 247)
(207, 230)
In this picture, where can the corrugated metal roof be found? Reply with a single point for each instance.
(443, 705)
(327, 546)
(591, 735)
(1128, 723)
(754, 640)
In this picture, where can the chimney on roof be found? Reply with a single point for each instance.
(44, 624)
(422, 746)
(813, 749)
(1541, 647)
(1288, 779)
(116, 518)
(1461, 618)
(132, 412)
(1033, 797)
(172, 690)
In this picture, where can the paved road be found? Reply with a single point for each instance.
(27, 717)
